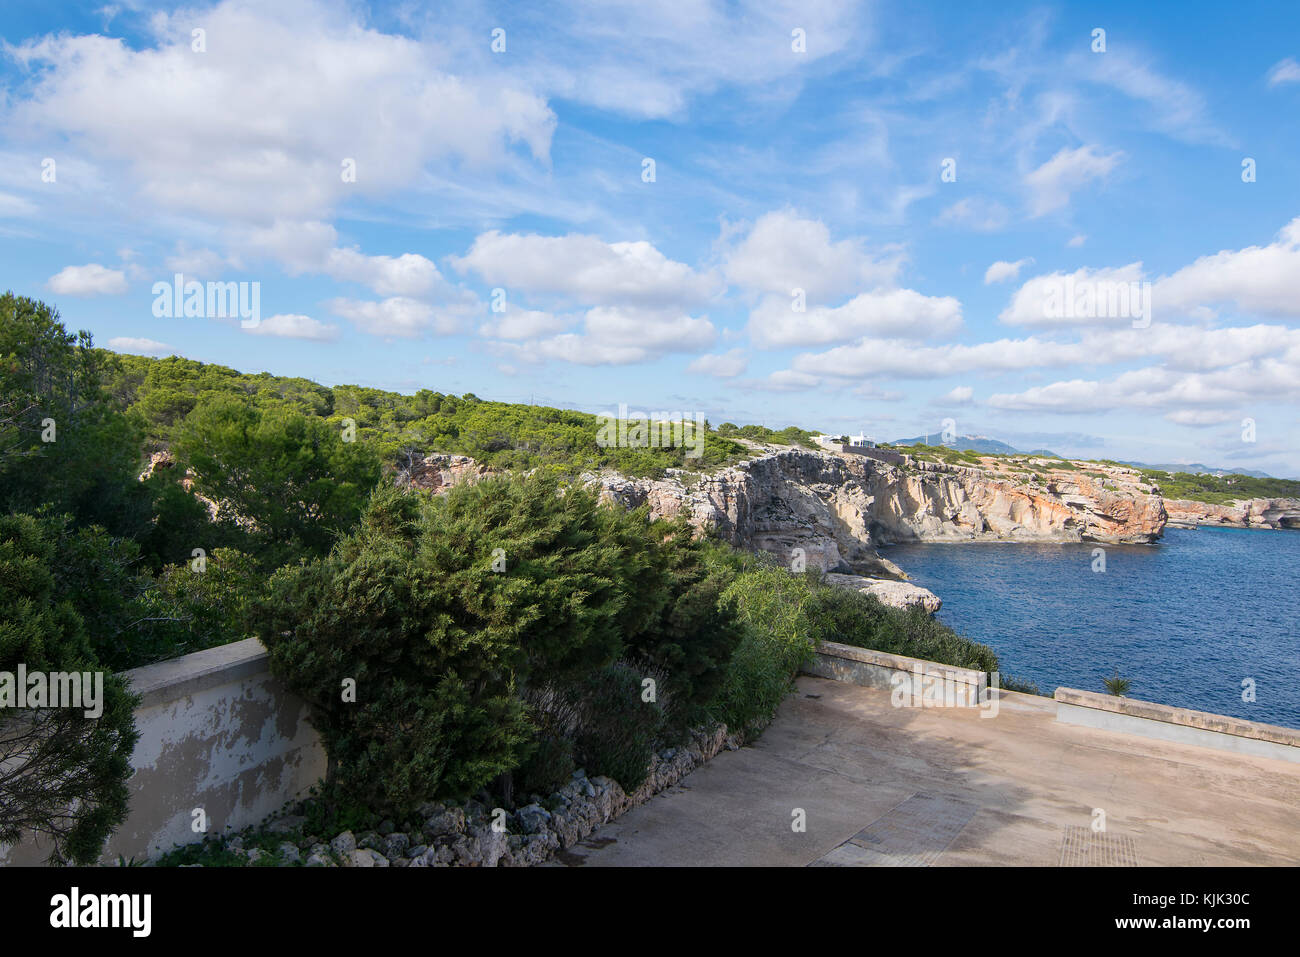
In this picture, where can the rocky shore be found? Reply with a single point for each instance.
(1273, 513)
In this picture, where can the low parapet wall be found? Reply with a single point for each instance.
(1110, 712)
(927, 681)
(218, 733)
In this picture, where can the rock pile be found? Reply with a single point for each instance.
(475, 835)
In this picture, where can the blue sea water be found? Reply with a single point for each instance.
(1187, 620)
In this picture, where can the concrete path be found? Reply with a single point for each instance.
(903, 786)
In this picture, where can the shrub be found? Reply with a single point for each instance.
(772, 606)
(852, 618)
(549, 767)
(617, 728)
(64, 773)
(439, 644)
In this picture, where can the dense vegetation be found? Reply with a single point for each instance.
(492, 638)
(1220, 489)
(166, 393)
(790, 435)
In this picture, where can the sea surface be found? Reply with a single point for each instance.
(1187, 620)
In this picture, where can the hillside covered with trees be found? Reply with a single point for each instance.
(498, 635)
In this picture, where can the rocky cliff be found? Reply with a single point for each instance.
(837, 507)
(831, 510)
(1247, 513)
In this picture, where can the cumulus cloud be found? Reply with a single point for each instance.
(617, 336)
(256, 128)
(1001, 270)
(1085, 297)
(1156, 387)
(783, 252)
(91, 279)
(1051, 185)
(725, 365)
(586, 270)
(397, 317)
(524, 324)
(960, 395)
(895, 312)
(292, 326)
(139, 346)
(1256, 279)
(311, 247)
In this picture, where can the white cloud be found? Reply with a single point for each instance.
(1284, 71)
(1042, 301)
(292, 326)
(15, 206)
(619, 336)
(1200, 418)
(311, 247)
(195, 262)
(396, 317)
(1001, 270)
(617, 58)
(524, 324)
(960, 395)
(1051, 184)
(1271, 379)
(1076, 241)
(1177, 109)
(258, 126)
(586, 270)
(783, 252)
(895, 312)
(976, 213)
(725, 365)
(1257, 279)
(137, 346)
(91, 279)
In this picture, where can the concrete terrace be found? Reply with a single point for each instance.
(908, 786)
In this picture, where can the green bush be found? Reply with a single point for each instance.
(64, 774)
(779, 638)
(548, 768)
(852, 618)
(617, 728)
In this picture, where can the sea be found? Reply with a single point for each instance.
(1203, 619)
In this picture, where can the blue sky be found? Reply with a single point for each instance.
(928, 176)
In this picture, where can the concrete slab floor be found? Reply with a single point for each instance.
(880, 785)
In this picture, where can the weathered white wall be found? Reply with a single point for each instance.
(217, 732)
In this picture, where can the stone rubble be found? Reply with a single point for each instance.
(452, 836)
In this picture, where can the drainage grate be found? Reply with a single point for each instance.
(911, 834)
(1083, 847)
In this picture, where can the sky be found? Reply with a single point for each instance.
(1064, 226)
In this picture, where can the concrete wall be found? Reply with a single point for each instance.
(927, 681)
(1181, 725)
(217, 732)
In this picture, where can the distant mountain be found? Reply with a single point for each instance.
(970, 443)
(987, 446)
(1196, 468)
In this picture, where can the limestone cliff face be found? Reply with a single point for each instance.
(837, 507)
(830, 510)
(1247, 513)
